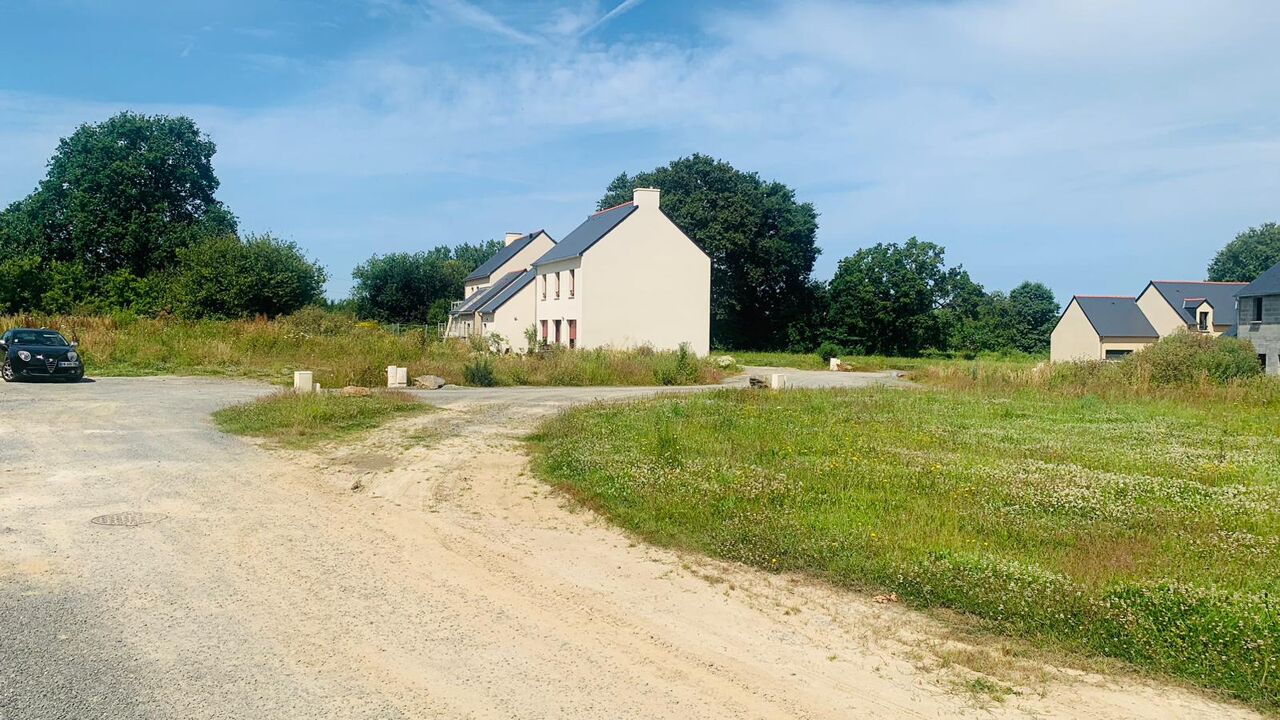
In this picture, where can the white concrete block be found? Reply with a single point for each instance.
(777, 381)
(835, 363)
(316, 388)
(397, 377)
(302, 381)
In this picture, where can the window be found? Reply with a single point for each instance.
(544, 297)
(1204, 321)
(544, 332)
(1262, 360)
(557, 286)
(573, 330)
(1118, 354)
(1257, 309)
(572, 284)
(557, 332)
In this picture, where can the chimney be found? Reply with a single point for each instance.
(647, 198)
(512, 237)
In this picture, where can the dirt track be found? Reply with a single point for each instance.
(453, 585)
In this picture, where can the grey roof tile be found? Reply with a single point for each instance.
(508, 292)
(1268, 283)
(480, 297)
(490, 266)
(587, 234)
(1116, 316)
(1220, 295)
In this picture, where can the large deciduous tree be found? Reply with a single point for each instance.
(124, 194)
(404, 287)
(1252, 253)
(893, 299)
(759, 238)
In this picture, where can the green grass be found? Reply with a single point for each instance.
(301, 421)
(799, 361)
(341, 351)
(872, 363)
(1141, 529)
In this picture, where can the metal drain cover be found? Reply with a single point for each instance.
(128, 518)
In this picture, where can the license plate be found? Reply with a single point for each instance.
(68, 364)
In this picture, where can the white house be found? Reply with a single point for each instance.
(626, 277)
(486, 282)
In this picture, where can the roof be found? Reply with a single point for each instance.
(490, 266)
(1268, 283)
(587, 234)
(1222, 296)
(480, 297)
(1115, 316)
(508, 292)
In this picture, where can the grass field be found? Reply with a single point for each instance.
(300, 421)
(1141, 529)
(870, 363)
(341, 351)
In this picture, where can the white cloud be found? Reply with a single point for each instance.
(1142, 132)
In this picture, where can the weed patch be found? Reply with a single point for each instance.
(304, 420)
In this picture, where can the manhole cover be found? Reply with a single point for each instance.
(128, 518)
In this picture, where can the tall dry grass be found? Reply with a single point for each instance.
(341, 351)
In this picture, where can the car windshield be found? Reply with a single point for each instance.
(38, 337)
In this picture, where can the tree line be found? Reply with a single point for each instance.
(126, 220)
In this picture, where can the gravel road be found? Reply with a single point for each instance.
(453, 585)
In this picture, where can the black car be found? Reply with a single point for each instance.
(39, 354)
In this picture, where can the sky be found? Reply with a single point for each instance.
(1089, 144)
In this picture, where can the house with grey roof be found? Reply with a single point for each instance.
(1110, 327)
(1096, 327)
(625, 277)
(1258, 317)
(513, 259)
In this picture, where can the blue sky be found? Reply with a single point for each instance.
(1090, 144)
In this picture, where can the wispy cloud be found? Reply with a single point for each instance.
(622, 7)
(480, 19)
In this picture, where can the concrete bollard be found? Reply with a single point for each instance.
(397, 377)
(315, 388)
(835, 364)
(777, 381)
(303, 382)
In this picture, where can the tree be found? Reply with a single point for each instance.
(226, 277)
(1020, 321)
(404, 287)
(760, 241)
(1252, 253)
(1033, 312)
(887, 299)
(124, 194)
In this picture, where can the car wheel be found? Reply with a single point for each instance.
(6, 371)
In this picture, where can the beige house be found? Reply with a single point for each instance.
(1110, 327)
(625, 277)
(489, 280)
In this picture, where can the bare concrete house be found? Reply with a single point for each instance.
(1258, 317)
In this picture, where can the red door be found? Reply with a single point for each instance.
(557, 332)
(573, 333)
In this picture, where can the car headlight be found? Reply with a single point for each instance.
(72, 356)
(24, 356)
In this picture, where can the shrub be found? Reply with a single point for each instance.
(479, 372)
(828, 350)
(1186, 358)
(226, 277)
(681, 368)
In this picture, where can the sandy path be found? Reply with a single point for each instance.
(453, 585)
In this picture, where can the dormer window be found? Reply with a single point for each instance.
(1203, 321)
